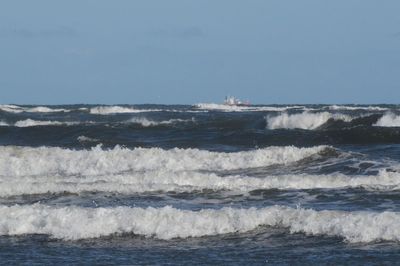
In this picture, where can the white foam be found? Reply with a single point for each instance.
(19, 161)
(106, 110)
(3, 124)
(42, 109)
(305, 120)
(356, 107)
(149, 123)
(34, 123)
(185, 181)
(11, 108)
(37, 109)
(86, 139)
(388, 120)
(73, 223)
(234, 108)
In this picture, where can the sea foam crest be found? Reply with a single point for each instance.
(34, 123)
(20, 161)
(388, 120)
(38, 109)
(144, 122)
(73, 223)
(186, 181)
(305, 120)
(106, 110)
(86, 139)
(356, 107)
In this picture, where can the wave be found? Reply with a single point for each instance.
(388, 120)
(86, 139)
(305, 120)
(149, 123)
(233, 108)
(38, 109)
(74, 223)
(106, 110)
(34, 123)
(25, 161)
(42, 109)
(144, 122)
(11, 108)
(356, 107)
(186, 181)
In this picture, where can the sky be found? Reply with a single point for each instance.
(132, 52)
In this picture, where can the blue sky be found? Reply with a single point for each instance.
(310, 51)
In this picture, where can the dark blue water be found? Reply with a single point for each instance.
(203, 184)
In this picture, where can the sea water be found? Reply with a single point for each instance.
(199, 184)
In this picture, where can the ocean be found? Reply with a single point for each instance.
(200, 184)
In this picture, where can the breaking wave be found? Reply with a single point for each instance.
(144, 122)
(356, 107)
(38, 109)
(305, 120)
(186, 181)
(25, 161)
(34, 123)
(388, 120)
(74, 223)
(86, 139)
(105, 110)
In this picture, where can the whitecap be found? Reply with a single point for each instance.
(38, 109)
(86, 139)
(34, 123)
(388, 120)
(305, 120)
(19, 161)
(185, 181)
(4, 124)
(356, 107)
(74, 223)
(149, 123)
(106, 110)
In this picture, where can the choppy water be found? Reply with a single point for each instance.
(159, 184)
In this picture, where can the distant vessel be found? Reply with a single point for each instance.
(232, 101)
